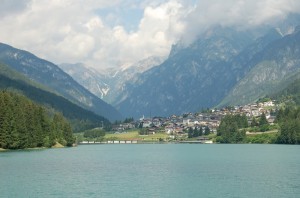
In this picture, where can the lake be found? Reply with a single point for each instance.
(153, 170)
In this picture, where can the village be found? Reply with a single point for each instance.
(176, 127)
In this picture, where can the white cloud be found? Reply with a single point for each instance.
(74, 31)
(238, 13)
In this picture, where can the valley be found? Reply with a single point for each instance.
(224, 71)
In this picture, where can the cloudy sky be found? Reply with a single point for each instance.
(101, 33)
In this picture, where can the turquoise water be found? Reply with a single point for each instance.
(153, 170)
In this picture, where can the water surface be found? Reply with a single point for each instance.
(153, 170)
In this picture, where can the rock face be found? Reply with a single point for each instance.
(110, 83)
(277, 65)
(192, 78)
(222, 67)
(51, 76)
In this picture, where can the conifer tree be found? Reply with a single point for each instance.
(263, 120)
(206, 130)
(24, 124)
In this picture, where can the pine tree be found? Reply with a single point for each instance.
(254, 122)
(24, 124)
(196, 132)
(206, 130)
(68, 134)
(190, 133)
(201, 130)
(263, 120)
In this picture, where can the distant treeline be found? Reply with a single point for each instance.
(229, 129)
(289, 122)
(24, 124)
(232, 128)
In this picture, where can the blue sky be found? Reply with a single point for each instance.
(127, 17)
(102, 34)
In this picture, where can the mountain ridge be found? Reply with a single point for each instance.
(108, 83)
(276, 67)
(14, 81)
(50, 75)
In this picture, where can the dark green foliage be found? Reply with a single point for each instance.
(264, 138)
(79, 118)
(289, 122)
(206, 130)
(95, 133)
(196, 132)
(201, 130)
(263, 100)
(254, 122)
(24, 124)
(263, 123)
(190, 133)
(128, 120)
(263, 120)
(143, 131)
(229, 129)
(290, 94)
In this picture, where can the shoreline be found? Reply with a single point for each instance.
(57, 145)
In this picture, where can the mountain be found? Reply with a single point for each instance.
(193, 77)
(290, 93)
(80, 118)
(51, 76)
(275, 67)
(210, 72)
(87, 77)
(108, 83)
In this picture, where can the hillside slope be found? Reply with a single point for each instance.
(80, 118)
(273, 70)
(50, 75)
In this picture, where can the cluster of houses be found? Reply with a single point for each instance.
(178, 125)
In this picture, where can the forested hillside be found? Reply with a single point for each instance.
(80, 118)
(290, 94)
(289, 123)
(24, 124)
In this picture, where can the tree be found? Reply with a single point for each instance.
(190, 133)
(196, 132)
(62, 130)
(68, 134)
(24, 124)
(228, 130)
(263, 120)
(289, 123)
(201, 130)
(206, 130)
(254, 122)
(128, 120)
(143, 131)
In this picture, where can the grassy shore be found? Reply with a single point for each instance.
(262, 137)
(134, 135)
(268, 137)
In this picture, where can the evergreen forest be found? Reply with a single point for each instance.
(229, 129)
(24, 124)
(79, 118)
(232, 128)
(289, 122)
